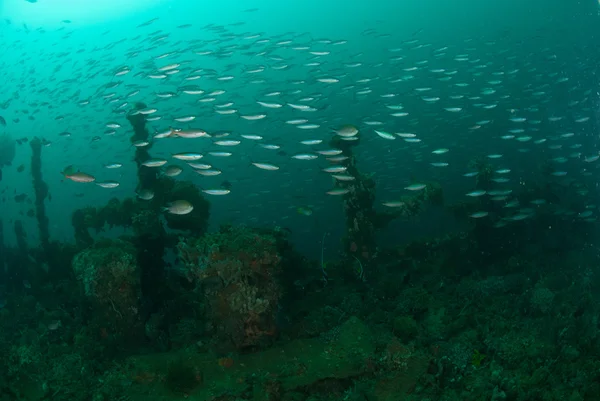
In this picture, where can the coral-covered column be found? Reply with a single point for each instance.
(2, 251)
(150, 245)
(359, 242)
(41, 192)
(360, 214)
(146, 176)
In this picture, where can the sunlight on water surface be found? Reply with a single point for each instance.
(48, 13)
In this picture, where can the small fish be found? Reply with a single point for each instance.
(208, 172)
(163, 134)
(347, 131)
(393, 204)
(308, 126)
(169, 67)
(305, 211)
(338, 191)
(179, 207)
(385, 135)
(254, 117)
(108, 184)
(329, 152)
(335, 169)
(173, 171)
(343, 177)
(77, 176)
(145, 194)
(113, 165)
(216, 191)
(304, 156)
(311, 142)
(147, 111)
(328, 80)
(201, 166)
(190, 133)
(227, 143)
(296, 122)
(266, 166)
(185, 119)
(415, 187)
(270, 105)
(252, 137)
(188, 156)
(154, 162)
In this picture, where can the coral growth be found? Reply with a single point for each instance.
(110, 278)
(236, 270)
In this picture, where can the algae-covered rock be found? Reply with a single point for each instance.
(237, 273)
(405, 328)
(110, 279)
(286, 369)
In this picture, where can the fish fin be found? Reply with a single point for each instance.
(69, 170)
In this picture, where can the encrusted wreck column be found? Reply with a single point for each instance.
(362, 219)
(2, 251)
(21, 237)
(359, 242)
(41, 192)
(146, 176)
(150, 243)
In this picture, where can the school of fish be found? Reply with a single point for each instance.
(260, 110)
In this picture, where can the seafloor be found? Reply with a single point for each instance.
(483, 313)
